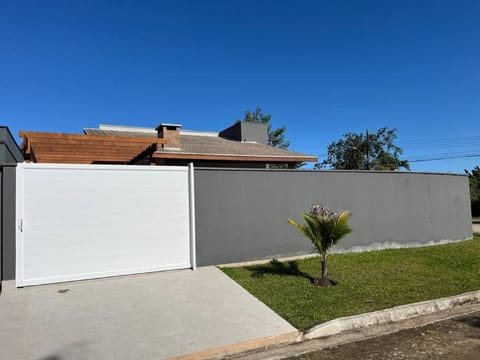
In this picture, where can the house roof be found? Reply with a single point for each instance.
(208, 145)
(123, 144)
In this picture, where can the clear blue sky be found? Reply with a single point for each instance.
(322, 68)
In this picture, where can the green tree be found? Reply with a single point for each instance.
(474, 180)
(324, 228)
(276, 137)
(368, 151)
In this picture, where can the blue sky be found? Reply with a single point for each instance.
(321, 68)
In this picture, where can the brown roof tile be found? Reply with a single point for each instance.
(212, 145)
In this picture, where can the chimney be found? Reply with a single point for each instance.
(171, 133)
(246, 131)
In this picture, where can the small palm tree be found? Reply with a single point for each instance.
(324, 228)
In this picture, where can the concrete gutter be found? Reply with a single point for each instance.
(397, 313)
(244, 347)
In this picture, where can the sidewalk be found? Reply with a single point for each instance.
(157, 315)
(179, 314)
(476, 228)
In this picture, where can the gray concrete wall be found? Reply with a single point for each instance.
(9, 151)
(246, 131)
(10, 155)
(254, 132)
(8, 222)
(242, 215)
(1, 227)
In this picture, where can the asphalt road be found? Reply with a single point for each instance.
(457, 338)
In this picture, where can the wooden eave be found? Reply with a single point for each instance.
(84, 149)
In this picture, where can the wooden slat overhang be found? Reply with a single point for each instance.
(46, 147)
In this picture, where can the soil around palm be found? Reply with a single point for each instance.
(323, 282)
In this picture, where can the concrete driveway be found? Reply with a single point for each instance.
(476, 228)
(146, 316)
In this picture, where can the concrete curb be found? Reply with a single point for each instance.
(335, 327)
(397, 313)
(347, 337)
(244, 347)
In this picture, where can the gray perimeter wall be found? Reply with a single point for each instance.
(8, 222)
(10, 155)
(241, 215)
(1, 227)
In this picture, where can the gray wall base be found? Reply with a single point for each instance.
(241, 215)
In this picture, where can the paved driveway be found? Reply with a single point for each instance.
(476, 228)
(145, 316)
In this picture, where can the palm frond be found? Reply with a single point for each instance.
(305, 230)
(323, 227)
(341, 228)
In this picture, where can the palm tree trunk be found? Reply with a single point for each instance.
(324, 267)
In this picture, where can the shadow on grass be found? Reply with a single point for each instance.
(276, 267)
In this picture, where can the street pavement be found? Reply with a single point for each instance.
(452, 339)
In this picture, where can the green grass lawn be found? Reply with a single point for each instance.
(366, 281)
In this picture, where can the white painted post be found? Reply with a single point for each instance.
(191, 197)
(19, 224)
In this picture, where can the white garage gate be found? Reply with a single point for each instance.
(89, 221)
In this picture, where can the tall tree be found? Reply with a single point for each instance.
(276, 137)
(367, 151)
(474, 179)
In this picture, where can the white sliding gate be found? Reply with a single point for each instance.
(88, 221)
